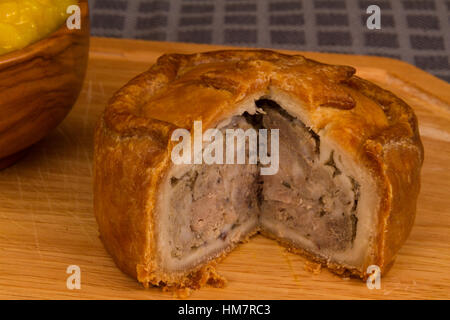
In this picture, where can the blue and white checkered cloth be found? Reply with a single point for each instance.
(416, 31)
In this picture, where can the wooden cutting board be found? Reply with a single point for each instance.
(47, 222)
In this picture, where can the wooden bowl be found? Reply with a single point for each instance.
(39, 85)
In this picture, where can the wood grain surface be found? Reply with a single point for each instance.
(47, 223)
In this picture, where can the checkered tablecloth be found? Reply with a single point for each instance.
(416, 31)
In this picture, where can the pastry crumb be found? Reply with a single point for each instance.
(313, 267)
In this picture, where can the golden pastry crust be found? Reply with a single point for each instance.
(132, 145)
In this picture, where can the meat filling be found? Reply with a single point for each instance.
(210, 200)
(312, 198)
(315, 199)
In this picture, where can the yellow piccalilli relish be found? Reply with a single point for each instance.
(23, 22)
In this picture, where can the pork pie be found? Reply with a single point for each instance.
(344, 195)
